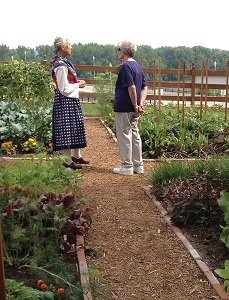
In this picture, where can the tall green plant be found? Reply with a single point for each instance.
(169, 171)
(25, 83)
(167, 136)
(104, 87)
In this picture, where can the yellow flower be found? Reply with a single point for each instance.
(31, 140)
(34, 143)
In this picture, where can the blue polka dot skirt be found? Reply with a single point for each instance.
(68, 129)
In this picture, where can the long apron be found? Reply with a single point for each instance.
(68, 129)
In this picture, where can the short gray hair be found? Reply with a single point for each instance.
(128, 47)
(59, 42)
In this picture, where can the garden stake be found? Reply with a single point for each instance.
(2, 272)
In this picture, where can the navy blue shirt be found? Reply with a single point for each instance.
(130, 74)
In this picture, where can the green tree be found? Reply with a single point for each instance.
(4, 53)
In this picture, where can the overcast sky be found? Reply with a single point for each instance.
(146, 22)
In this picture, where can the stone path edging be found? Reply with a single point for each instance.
(197, 258)
(83, 269)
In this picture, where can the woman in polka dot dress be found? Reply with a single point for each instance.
(68, 130)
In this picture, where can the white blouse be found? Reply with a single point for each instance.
(66, 88)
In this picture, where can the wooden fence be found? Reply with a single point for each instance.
(192, 86)
(187, 88)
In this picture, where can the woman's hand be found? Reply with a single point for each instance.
(82, 83)
(139, 109)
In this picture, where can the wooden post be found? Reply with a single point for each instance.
(226, 98)
(178, 90)
(183, 94)
(201, 90)
(206, 87)
(154, 87)
(193, 84)
(2, 272)
(159, 89)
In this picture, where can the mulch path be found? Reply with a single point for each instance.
(138, 254)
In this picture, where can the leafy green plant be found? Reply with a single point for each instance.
(25, 83)
(105, 93)
(168, 137)
(192, 201)
(189, 190)
(40, 205)
(18, 291)
(17, 124)
(153, 135)
(224, 273)
(223, 202)
(39, 176)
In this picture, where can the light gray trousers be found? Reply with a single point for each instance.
(129, 140)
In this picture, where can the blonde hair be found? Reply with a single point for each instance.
(59, 43)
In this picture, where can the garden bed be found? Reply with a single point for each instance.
(132, 246)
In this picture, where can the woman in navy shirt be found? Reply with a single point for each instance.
(130, 94)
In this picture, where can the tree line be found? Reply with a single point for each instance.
(105, 55)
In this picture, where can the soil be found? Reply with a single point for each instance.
(208, 244)
(130, 242)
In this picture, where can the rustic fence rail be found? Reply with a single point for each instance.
(192, 86)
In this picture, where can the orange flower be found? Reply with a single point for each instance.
(40, 281)
(60, 291)
(9, 153)
(44, 148)
(43, 286)
(50, 145)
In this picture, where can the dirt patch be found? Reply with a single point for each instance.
(209, 246)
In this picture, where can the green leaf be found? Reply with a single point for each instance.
(223, 202)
